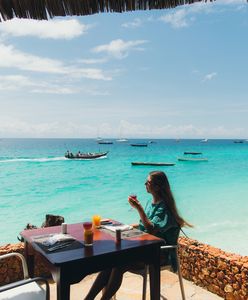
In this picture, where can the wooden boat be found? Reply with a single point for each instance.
(139, 145)
(238, 141)
(88, 155)
(137, 163)
(192, 153)
(192, 159)
(105, 142)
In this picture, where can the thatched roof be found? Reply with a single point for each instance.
(45, 9)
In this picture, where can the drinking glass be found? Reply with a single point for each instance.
(134, 196)
(88, 234)
(96, 221)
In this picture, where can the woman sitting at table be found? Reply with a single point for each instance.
(160, 218)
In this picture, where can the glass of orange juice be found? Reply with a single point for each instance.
(96, 221)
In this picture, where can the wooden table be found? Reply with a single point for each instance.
(71, 266)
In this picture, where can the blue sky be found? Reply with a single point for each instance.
(178, 73)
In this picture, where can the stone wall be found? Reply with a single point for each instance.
(222, 273)
(11, 268)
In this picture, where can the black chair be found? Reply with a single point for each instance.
(27, 288)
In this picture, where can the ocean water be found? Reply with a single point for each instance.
(36, 180)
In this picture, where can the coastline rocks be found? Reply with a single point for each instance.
(11, 268)
(53, 220)
(50, 220)
(222, 273)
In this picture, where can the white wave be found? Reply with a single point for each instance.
(222, 226)
(42, 159)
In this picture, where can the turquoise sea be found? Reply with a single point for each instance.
(36, 179)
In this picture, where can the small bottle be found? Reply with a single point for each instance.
(118, 235)
(64, 228)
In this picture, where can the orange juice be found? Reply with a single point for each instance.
(88, 237)
(96, 221)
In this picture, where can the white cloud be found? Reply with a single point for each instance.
(92, 61)
(13, 58)
(63, 87)
(210, 76)
(14, 82)
(16, 127)
(184, 17)
(52, 29)
(19, 82)
(182, 131)
(133, 24)
(232, 1)
(119, 48)
(176, 19)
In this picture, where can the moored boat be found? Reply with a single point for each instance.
(139, 145)
(192, 159)
(139, 163)
(105, 142)
(238, 141)
(89, 155)
(192, 153)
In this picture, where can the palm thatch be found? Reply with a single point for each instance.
(45, 9)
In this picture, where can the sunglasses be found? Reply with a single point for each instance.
(147, 182)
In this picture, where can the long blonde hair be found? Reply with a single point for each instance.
(163, 191)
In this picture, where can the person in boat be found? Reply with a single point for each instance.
(160, 217)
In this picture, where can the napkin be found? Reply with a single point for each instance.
(122, 227)
(51, 239)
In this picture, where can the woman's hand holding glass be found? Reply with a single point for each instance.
(133, 201)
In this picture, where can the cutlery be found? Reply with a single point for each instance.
(59, 246)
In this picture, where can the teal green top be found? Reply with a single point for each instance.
(163, 221)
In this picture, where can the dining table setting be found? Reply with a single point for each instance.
(73, 251)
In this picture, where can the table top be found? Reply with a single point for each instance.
(104, 243)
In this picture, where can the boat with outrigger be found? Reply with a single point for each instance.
(193, 156)
(88, 155)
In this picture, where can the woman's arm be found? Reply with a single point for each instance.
(137, 205)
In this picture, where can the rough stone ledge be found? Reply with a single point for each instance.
(220, 272)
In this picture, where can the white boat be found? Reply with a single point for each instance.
(204, 141)
(192, 159)
(121, 138)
